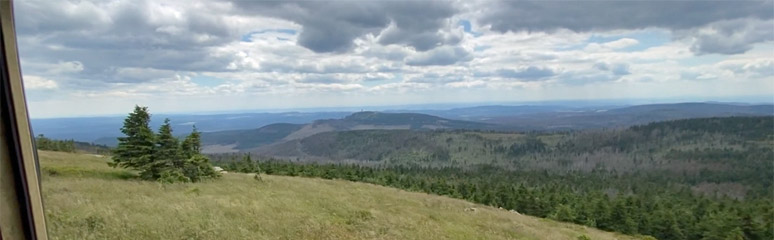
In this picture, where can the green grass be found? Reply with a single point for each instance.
(86, 199)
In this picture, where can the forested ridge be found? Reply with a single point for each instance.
(44, 143)
(685, 179)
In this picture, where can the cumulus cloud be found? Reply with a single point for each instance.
(612, 45)
(437, 78)
(324, 78)
(582, 78)
(730, 37)
(762, 67)
(723, 27)
(584, 16)
(100, 36)
(32, 82)
(446, 55)
(137, 75)
(529, 73)
(195, 49)
(618, 69)
(333, 26)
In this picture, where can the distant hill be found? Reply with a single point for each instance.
(104, 130)
(480, 113)
(526, 118)
(682, 146)
(242, 140)
(229, 141)
(403, 121)
(626, 116)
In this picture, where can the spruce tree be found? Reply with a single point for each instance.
(197, 166)
(169, 159)
(136, 149)
(192, 144)
(168, 149)
(160, 157)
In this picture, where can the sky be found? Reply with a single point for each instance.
(102, 57)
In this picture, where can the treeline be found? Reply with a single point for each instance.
(651, 147)
(44, 143)
(649, 203)
(160, 156)
(48, 144)
(751, 128)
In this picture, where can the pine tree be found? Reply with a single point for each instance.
(192, 144)
(161, 156)
(168, 156)
(168, 151)
(196, 166)
(563, 213)
(136, 149)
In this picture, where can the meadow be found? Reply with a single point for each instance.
(86, 199)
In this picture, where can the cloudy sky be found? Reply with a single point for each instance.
(102, 57)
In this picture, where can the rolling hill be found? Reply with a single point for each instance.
(625, 116)
(497, 118)
(656, 179)
(730, 146)
(104, 130)
(245, 140)
(86, 199)
(233, 140)
(224, 131)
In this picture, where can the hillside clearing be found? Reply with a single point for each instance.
(86, 199)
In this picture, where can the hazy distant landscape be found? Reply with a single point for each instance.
(634, 170)
(218, 127)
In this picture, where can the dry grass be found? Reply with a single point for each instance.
(85, 199)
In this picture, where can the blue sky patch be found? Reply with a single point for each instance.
(376, 82)
(207, 81)
(646, 38)
(468, 27)
(465, 25)
(246, 37)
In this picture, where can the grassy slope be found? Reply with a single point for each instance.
(85, 199)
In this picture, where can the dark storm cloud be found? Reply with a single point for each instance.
(679, 15)
(331, 26)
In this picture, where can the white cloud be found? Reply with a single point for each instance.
(32, 82)
(137, 50)
(621, 43)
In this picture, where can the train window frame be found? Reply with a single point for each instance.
(21, 213)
